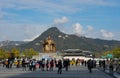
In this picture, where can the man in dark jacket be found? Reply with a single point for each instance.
(90, 65)
(59, 67)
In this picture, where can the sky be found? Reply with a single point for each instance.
(25, 20)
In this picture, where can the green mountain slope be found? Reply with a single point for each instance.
(66, 41)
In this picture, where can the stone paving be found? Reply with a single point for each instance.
(74, 72)
(115, 74)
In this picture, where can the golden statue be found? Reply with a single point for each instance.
(49, 45)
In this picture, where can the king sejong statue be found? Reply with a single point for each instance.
(49, 46)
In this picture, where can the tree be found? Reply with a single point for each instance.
(2, 53)
(29, 53)
(116, 52)
(15, 52)
(8, 55)
(107, 52)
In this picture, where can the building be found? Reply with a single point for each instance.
(77, 54)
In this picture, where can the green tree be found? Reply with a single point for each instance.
(8, 54)
(116, 52)
(29, 53)
(15, 52)
(107, 52)
(2, 53)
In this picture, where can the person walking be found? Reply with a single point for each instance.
(24, 64)
(111, 68)
(90, 65)
(66, 64)
(104, 65)
(51, 65)
(47, 65)
(59, 67)
(43, 65)
(33, 64)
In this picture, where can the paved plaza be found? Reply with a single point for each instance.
(74, 72)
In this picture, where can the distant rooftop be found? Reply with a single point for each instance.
(73, 50)
(76, 52)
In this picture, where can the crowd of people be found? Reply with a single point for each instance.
(32, 64)
(111, 65)
(49, 65)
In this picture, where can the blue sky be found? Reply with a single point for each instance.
(24, 20)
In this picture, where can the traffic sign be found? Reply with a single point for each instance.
(110, 55)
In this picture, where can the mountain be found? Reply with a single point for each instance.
(67, 41)
(9, 44)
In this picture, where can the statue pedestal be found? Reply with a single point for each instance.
(48, 56)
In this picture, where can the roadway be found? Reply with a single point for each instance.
(74, 72)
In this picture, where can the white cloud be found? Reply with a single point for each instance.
(89, 28)
(106, 34)
(78, 29)
(20, 32)
(62, 20)
(60, 23)
(31, 39)
(90, 32)
(30, 30)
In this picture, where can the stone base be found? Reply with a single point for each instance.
(47, 56)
